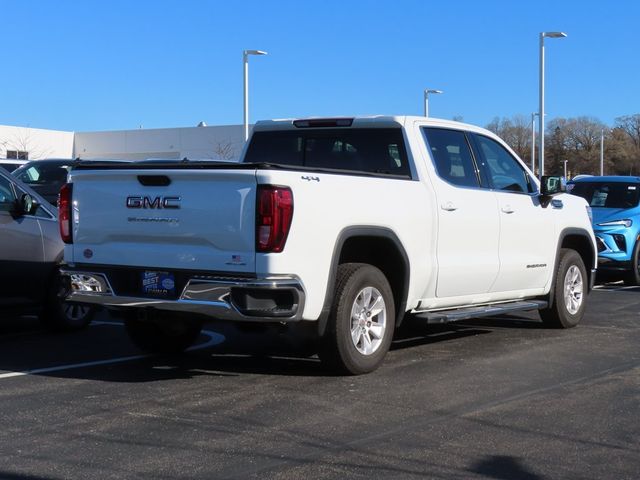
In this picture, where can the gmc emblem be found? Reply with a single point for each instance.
(155, 202)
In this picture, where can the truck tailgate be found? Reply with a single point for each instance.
(165, 218)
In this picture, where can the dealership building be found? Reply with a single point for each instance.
(200, 142)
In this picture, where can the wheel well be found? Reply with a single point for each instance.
(582, 245)
(382, 253)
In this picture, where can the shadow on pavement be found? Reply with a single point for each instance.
(26, 347)
(504, 468)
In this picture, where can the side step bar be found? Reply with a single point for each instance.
(445, 316)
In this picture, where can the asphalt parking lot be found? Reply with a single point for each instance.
(498, 398)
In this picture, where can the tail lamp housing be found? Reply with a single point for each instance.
(274, 213)
(65, 213)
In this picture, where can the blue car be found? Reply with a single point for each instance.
(616, 223)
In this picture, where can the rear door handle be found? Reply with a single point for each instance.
(508, 209)
(448, 206)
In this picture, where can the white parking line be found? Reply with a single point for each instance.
(214, 339)
(615, 288)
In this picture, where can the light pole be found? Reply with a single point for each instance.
(602, 152)
(541, 109)
(565, 168)
(245, 61)
(426, 99)
(533, 142)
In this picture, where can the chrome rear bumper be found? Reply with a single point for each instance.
(277, 298)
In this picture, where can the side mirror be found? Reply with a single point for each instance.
(27, 205)
(552, 185)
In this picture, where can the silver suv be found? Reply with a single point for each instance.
(30, 251)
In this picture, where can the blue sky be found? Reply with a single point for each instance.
(98, 65)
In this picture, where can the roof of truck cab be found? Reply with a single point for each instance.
(373, 121)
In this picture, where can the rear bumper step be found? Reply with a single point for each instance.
(445, 316)
(278, 298)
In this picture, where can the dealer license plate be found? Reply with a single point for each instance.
(161, 284)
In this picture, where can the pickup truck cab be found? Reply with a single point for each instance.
(341, 224)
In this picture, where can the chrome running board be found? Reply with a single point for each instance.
(445, 316)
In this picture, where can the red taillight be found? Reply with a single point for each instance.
(274, 212)
(65, 214)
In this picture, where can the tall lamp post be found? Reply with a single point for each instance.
(245, 61)
(426, 99)
(602, 152)
(533, 142)
(541, 109)
(565, 168)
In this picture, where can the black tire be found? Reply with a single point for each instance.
(570, 288)
(64, 316)
(162, 334)
(373, 331)
(632, 277)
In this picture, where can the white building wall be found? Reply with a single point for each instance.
(220, 142)
(38, 142)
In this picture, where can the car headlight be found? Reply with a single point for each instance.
(617, 223)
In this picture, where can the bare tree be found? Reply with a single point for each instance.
(576, 140)
(630, 124)
(22, 141)
(584, 134)
(225, 150)
(620, 158)
(515, 131)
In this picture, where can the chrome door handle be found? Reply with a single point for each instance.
(448, 206)
(508, 209)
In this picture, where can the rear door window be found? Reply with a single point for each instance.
(372, 150)
(452, 156)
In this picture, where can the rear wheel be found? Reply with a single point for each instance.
(64, 316)
(162, 334)
(632, 277)
(570, 292)
(361, 322)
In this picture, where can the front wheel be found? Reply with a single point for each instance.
(569, 294)
(162, 334)
(361, 322)
(632, 277)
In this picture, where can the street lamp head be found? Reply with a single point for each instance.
(254, 52)
(554, 34)
(432, 91)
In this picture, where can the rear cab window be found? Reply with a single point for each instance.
(372, 150)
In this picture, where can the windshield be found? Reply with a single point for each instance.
(608, 195)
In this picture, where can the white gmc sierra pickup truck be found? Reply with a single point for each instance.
(342, 224)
